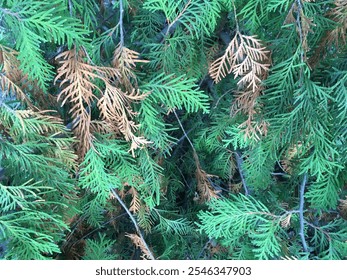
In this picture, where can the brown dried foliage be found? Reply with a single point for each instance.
(137, 241)
(79, 79)
(343, 208)
(205, 191)
(303, 26)
(339, 14)
(135, 203)
(125, 60)
(247, 59)
(285, 223)
(336, 36)
(244, 57)
(11, 76)
(78, 91)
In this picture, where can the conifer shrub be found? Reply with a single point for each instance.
(173, 129)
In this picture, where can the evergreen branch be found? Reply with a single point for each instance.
(205, 61)
(301, 213)
(114, 193)
(178, 17)
(177, 93)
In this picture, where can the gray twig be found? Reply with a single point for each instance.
(134, 222)
(121, 13)
(302, 54)
(70, 7)
(184, 131)
(239, 162)
(301, 213)
(204, 248)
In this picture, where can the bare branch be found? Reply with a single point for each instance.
(184, 132)
(116, 196)
(239, 162)
(301, 213)
(121, 13)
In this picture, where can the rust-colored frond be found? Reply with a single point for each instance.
(205, 190)
(77, 82)
(137, 241)
(7, 85)
(77, 77)
(285, 222)
(125, 61)
(115, 103)
(8, 58)
(135, 203)
(248, 59)
(251, 58)
(224, 64)
(102, 127)
(115, 108)
(343, 207)
(11, 77)
(339, 14)
(245, 57)
(254, 129)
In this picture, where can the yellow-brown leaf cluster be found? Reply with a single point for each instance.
(138, 242)
(111, 89)
(248, 60)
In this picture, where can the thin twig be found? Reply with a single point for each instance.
(301, 213)
(280, 174)
(121, 13)
(239, 163)
(134, 222)
(70, 7)
(9, 12)
(184, 131)
(320, 229)
(219, 99)
(178, 17)
(183, 178)
(298, 21)
(87, 55)
(99, 228)
(204, 248)
(235, 15)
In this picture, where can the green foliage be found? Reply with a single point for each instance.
(99, 249)
(240, 220)
(188, 129)
(177, 93)
(196, 16)
(35, 23)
